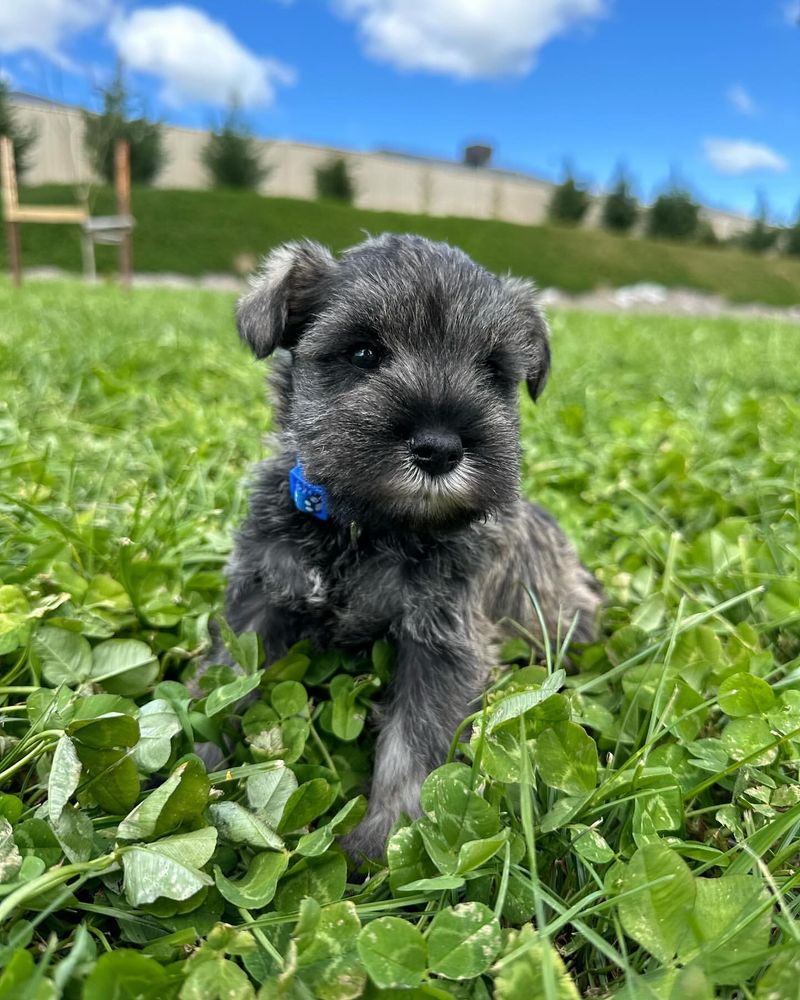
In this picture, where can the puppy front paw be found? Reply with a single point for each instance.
(296, 583)
(317, 592)
(368, 840)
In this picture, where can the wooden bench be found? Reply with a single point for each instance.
(115, 229)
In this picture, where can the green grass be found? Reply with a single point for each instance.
(630, 830)
(194, 232)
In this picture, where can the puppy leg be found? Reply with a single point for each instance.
(249, 609)
(433, 689)
(254, 602)
(272, 590)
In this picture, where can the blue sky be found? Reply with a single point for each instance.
(699, 89)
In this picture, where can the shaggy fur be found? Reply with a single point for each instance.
(431, 560)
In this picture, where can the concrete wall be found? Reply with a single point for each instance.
(58, 157)
(383, 181)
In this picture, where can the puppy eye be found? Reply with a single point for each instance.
(499, 368)
(364, 356)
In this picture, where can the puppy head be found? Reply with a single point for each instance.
(399, 389)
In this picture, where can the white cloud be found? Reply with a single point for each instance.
(737, 156)
(197, 59)
(464, 38)
(741, 100)
(46, 25)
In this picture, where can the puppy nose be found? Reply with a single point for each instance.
(436, 451)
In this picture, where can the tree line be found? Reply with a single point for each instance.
(232, 159)
(674, 215)
(231, 156)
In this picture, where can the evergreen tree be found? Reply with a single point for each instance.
(22, 139)
(674, 215)
(114, 122)
(706, 235)
(333, 181)
(570, 201)
(760, 236)
(231, 155)
(620, 208)
(792, 242)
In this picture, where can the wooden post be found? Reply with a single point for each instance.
(14, 252)
(8, 188)
(122, 183)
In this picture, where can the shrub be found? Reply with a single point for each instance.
(569, 202)
(144, 137)
(792, 242)
(706, 235)
(620, 208)
(232, 156)
(674, 215)
(333, 181)
(22, 139)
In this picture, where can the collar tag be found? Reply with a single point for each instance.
(308, 498)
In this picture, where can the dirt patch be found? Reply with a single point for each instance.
(646, 297)
(652, 298)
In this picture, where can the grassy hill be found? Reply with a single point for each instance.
(193, 232)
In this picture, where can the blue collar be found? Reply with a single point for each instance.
(308, 498)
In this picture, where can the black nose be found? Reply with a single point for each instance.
(436, 451)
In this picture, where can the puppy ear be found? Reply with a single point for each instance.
(537, 378)
(284, 297)
(537, 334)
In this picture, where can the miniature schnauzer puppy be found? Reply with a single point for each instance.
(391, 507)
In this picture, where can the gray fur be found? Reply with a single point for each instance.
(439, 562)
